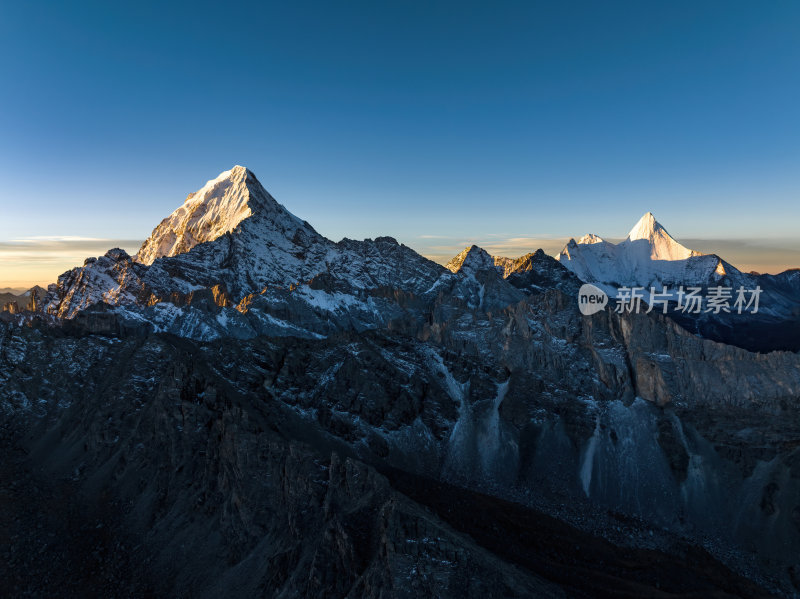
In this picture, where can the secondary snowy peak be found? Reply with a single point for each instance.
(661, 244)
(212, 211)
(649, 256)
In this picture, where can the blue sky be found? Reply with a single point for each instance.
(513, 125)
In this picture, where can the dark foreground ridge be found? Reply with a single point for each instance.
(59, 542)
(584, 565)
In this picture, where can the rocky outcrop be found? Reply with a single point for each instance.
(470, 260)
(267, 468)
(11, 307)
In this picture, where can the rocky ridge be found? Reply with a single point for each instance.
(295, 411)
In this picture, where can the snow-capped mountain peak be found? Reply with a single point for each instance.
(215, 209)
(649, 256)
(645, 228)
(659, 243)
(232, 239)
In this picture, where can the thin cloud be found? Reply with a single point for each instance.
(67, 238)
(46, 243)
(41, 259)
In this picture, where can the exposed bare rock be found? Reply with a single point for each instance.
(252, 409)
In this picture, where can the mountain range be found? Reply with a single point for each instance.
(232, 240)
(245, 408)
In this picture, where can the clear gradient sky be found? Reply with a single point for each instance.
(512, 125)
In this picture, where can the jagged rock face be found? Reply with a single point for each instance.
(257, 403)
(470, 260)
(216, 209)
(492, 389)
(265, 442)
(222, 492)
(537, 272)
(233, 234)
(11, 307)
